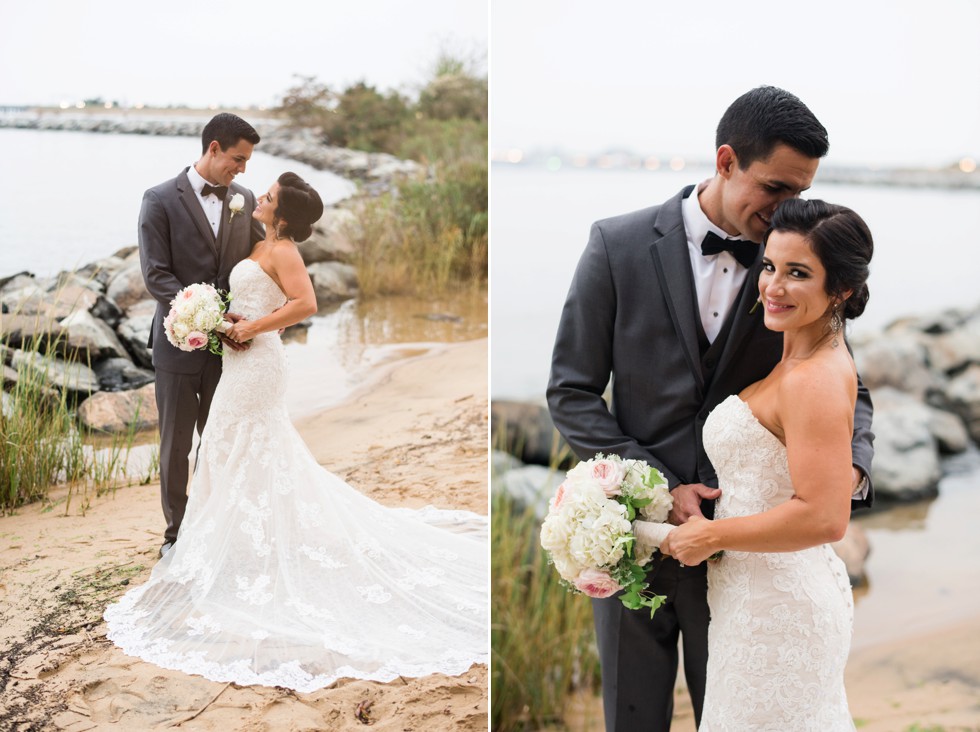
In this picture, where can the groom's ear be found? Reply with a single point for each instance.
(214, 147)
(725, 161)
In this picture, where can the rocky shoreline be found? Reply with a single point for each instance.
(374, 172)
(91, 326)
(924, 376)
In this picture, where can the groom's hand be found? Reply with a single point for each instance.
(687, 501)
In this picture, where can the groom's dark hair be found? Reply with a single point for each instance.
(227, 129)
(762, 118)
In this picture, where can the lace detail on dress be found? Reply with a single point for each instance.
(781, 623)
(284, 575)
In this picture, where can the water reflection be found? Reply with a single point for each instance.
(346, 343)
(923, 571)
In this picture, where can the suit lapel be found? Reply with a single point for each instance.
(188, 199)
(744, 323)
(673, 265)
(224, 227)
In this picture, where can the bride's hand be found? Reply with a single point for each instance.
(242, 331)
(237, 337)
(690, 543)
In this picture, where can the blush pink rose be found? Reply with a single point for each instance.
(596, 583)
(559, 497)
(196, 339)
(609, 475)
(188, 293)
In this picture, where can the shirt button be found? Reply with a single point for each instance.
(716, 315)
(725, 270)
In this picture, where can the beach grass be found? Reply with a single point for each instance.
(542, 638)
(430, 237)
(41, 442)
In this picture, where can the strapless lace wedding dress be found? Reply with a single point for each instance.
(284, 575)
(780, 623)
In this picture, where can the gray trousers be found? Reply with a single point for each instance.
(183, 401)
(639, 656)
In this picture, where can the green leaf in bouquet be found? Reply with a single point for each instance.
(654, 602)
(653, 478)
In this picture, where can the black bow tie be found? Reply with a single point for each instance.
(743, 251)
(219, 191)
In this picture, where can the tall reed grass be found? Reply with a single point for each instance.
(428, 237)
(542, 638)
(41, 444)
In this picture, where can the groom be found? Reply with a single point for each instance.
(188, 234)
(663, 300)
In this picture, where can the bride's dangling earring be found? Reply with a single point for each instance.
(836, 325)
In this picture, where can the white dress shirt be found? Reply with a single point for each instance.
(211, 204)
(717, 277)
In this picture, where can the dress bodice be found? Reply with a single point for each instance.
(781, 621)
(750, 461)
(254, 293)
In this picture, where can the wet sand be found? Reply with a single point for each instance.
(416, 434)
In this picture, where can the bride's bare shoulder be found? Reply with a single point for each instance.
(828, 378)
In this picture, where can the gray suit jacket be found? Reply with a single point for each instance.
(631, 312)
(179, 248)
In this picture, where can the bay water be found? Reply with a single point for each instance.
(69, 198)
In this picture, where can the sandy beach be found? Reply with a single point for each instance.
(416, 435)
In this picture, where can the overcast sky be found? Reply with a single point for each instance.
(893, 82)
(245, 52)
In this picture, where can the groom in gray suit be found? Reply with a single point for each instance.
(663, 300)
(188, 234)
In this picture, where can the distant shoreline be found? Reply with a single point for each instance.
(905, 177)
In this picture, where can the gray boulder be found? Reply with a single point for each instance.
(963, 396)
(333, 281)
(906, 463)
(954, 350)
(531, 486)
(121, 374)
(951, 434)
(526, 431)
(73, 377)
(134, 331)
(120, 411)
(87, 336)
(25, 330)
(126, 288)
(332, 238)
(899, 360)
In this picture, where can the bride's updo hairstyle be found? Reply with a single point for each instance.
(299, 206)
(840, 239)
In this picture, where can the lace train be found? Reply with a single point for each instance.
(284, 575)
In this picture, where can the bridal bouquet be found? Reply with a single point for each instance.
(588, 531)
(196, 318)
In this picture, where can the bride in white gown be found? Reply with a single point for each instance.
(780, 601)
(284, 575)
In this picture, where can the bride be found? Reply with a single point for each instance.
(284, 575)
(780, 601)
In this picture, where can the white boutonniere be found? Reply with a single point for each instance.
(235, 205)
